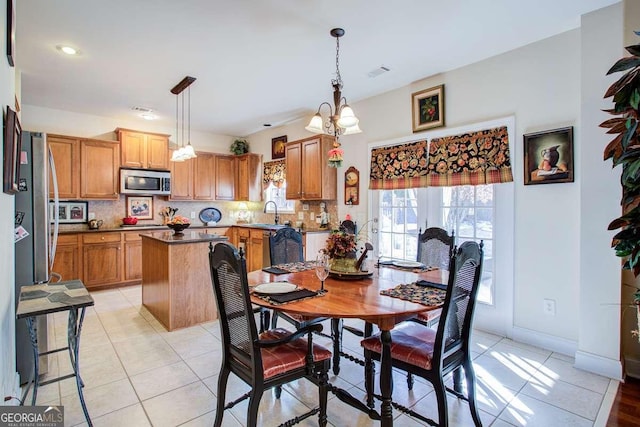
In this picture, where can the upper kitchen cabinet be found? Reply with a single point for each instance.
(143, 150)
(99, 161)
(194, 179)
(225, 170)
(182, 180)
(249, 177)
(308, 175)
(66, 155)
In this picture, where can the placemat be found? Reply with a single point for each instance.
(436, 285)
(275, 270)
(280, 299)
(414, 269)
(415, 293)
(294, 267)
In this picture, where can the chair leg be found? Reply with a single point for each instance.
(409, 381)
(470, 374)
(222, 390)
(369, 375)
(441, 396)
(336, 334)
(252, 409)
(323, 390)
(264, 319)
(457, 380)
(278, 390)
(274, 320)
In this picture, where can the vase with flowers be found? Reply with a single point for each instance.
(341, 248)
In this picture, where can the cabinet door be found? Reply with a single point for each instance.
(66, 155)
(99, 162)
(254, 259)
(204, 177)
(249, 177)
(101, 264)
(311, 171)
(67, 262)
(133, 149)
(157, 152)
(182, 180)
(225, 173)
(133, 260)
(293, 161)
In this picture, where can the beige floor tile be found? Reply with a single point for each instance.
(556, 370)
(100, 401)
(207, 364)
(159, 381)
(526, 411)
(272, 411)
(93, 375)
(458, 410)
(195, 346)
(482, 341)
(133, 416)
(180, 405)
(577, 400)
(207, 420)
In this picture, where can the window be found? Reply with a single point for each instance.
(278, 195)
(398, 224)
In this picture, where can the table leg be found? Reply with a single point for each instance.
(386, 380)
(73, 336)
(336, 334)
(33, 335)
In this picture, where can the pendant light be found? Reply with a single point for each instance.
(184, 152)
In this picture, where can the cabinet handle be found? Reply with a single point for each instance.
(118, 248)
(102, 238)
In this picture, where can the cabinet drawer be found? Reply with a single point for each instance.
(132, 237)
(88, 239)
(67, 239)
(257, 233)
(243, 232)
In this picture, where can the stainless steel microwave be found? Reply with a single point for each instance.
(137, 181)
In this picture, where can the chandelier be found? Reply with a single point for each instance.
(341, 119)
(184, 152)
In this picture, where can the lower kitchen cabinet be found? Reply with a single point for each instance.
(254, 252)
(102, 259)
(68, 259)
(132, 256)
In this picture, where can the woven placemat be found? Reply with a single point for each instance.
(289, 297)
(416, 293)
(294, 267)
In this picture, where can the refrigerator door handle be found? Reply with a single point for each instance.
(56, 211)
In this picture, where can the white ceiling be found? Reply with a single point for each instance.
(259, 61)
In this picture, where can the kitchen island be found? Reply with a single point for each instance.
(176, 283)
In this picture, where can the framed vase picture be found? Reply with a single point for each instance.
(277, 147)
(427, 108)
(73, 212)
(548, 156)
(140, 207)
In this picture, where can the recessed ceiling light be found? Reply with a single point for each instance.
(148, 116)
(67, 49)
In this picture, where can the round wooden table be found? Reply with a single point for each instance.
(359, 299)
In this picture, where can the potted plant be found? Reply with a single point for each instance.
(239, 146)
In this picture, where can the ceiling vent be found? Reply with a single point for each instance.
(142, 109)
(377, 71)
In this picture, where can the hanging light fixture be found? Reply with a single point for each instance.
(184, 152)
(341, 120)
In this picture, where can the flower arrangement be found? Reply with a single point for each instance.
(340, 244)
(178, 219)
(335, 156)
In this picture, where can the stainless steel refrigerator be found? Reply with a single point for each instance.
(34, 254)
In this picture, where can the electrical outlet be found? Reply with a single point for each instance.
(301, 216)
(549, 307)
(305, 206)
(92, 215)
(312, 216)
(193, 215)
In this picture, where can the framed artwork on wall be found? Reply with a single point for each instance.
(427, 108)
(11, 32)
(277, 147)
(73, 212)
(12, 147)
(352, 186)
(548, 156)
(140, 207)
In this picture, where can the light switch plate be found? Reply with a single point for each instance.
(92, 215)
(301, 216)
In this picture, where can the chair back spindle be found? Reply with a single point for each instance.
(285, 246)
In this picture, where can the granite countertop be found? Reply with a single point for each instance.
(187, 237)
(193, 227)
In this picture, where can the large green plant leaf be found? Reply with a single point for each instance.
(634, 49)
(624, 64)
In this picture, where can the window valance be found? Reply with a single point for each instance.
(473, 158)
(399, 166)
(274, 171)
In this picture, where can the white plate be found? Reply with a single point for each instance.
(275, 288)
(408, 264)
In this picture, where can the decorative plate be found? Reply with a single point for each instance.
(275, 288)
(208, 215)
(408, 264)
(350, 275)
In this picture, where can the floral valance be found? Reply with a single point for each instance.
(275, 171)
(473, 158)
(399, 166)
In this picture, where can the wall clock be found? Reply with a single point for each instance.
(352, 186)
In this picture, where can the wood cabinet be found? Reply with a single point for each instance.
(308, 175)
(225, 171)
(143, 150)
(68, 258)
(204, 176)
(66, 154)
(181, 180)
(249, 177)
(254, 251)
(102, 258)
(132, 263)
(99, 169)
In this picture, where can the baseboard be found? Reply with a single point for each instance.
(599, 365)
(11, 389)
(632, 366)
(546, 341)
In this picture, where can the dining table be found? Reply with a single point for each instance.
(356, 297)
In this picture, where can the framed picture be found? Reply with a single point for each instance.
(352, 186)
(277, 147)
(427, 108)
(548, 156)
(73, 212)
(140, 207)
(11, 32)
(11, 152)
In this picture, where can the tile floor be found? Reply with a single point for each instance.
(138, 374)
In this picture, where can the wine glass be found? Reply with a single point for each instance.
(322, 269)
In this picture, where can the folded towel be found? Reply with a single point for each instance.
(442, 286)
(275, 270)
(292, 296)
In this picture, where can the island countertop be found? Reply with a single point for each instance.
(187, 237)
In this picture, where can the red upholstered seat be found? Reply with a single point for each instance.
(283, 358)
(429, 316)
(410, 342)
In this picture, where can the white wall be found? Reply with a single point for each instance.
(85, 125)
(8, 374)
(541, 85)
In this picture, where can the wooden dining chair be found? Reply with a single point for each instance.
(274, 357)
(433, 354)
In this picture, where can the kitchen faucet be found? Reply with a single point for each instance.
(275, 206)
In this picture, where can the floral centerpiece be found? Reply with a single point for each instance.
(341, 248)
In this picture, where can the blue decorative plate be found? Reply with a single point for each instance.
(210, 215)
